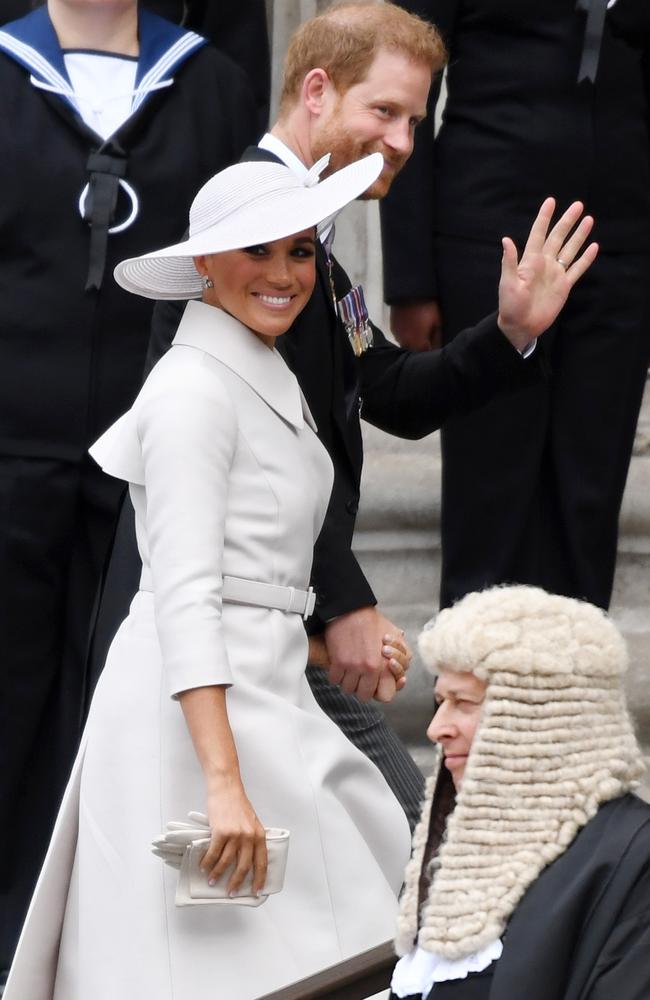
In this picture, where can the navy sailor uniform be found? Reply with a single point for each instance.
(73, 346)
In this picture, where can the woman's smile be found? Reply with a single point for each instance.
(264, 286)
(274, 301)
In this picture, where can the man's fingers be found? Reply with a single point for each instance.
(562, 228)
(570, 250)
(350, 682)
(510, 260)
(386, 688)
(582, 264)
(366, 688)
(539, 228)
(335, 675)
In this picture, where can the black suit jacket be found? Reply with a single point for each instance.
(518, 127)
(406, 394)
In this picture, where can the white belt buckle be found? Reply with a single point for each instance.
(310, 604)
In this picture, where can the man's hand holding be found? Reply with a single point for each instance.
(368, 655)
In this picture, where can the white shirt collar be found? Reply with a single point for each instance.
(274, 145)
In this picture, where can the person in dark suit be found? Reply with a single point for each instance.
(541, 98)
(323, 111)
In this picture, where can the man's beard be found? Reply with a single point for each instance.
(344, 150)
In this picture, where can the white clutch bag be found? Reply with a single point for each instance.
(183, 845)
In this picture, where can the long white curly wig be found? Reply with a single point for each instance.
(554, 741)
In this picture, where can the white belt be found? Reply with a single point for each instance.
(268, 595)
(259, 595)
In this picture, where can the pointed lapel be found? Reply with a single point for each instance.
(345, 387)
(230, 342)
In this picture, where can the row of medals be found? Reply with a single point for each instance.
(354, 316)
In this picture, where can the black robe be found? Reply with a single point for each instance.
(582, 930)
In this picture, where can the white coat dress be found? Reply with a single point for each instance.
(226, 476)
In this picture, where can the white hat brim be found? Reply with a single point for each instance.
(169, 273)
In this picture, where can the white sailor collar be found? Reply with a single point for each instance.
(33, 43)
(235, 346)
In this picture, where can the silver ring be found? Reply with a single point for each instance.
(562, 263)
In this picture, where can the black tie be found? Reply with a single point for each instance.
(105, 170)
(596, 10)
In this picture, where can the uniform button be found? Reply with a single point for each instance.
(352, 506)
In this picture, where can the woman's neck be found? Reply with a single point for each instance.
(107, 25)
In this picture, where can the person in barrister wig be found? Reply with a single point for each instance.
(530, 873)
(547, 97)
(345, 365)
(106, 110)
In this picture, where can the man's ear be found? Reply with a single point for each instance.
(315, 88)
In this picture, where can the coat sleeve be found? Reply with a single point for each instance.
(411, 394)
(337, 577)
(408, 212)
(188, 434)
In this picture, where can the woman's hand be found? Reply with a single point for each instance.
(397, 653)
(237, 837)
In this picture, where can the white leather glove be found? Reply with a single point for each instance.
(170, 846)
(182, 846)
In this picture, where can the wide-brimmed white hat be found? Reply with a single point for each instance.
(246, 204)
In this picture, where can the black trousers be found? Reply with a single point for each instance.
(533, 481)
(55, 526)
(366, 727)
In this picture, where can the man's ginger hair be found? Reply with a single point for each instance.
(345, 40)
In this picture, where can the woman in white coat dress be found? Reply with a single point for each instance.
(203, 703)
